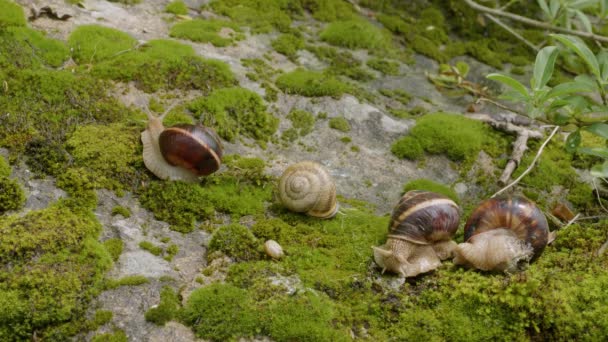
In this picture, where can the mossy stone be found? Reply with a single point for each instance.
(116, 336)
(288, 44)
(12, 196)
(94, 43)
(236, 111)
(236, 241)
(166, 310)
(302, 121)
(356, 34)
(310, 83)
(114, 246)
(384, 66)
(217, 32)
(177, 7)
(5, 168)
(220, 312)
(11, 14)
(150, 247)
(407, 147)
(50, 52)
(261, 15)
(340, 124)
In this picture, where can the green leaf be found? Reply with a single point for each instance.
(543, 6)
(512, 95)
(543, 66)
(602, 58)
(599, 129)
(582, 50)
(571, 88)
(600, 170)
(511, 82)
(554, 6)
(573, 141)
(601, 152)
(582, 17)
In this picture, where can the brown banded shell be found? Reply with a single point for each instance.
(307, 187)
(424, 217)
(517, 214)
(193, 147)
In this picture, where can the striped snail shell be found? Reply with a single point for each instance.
(182, 152)
(307, 187)
(503, 234)
(420, 234)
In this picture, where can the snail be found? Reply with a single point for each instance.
(420, 234)
(307, 187)
(181, 152)
(503, 234)
(273, 249)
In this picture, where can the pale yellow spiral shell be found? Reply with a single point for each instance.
(307, 187)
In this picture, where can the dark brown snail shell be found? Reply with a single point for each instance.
(193, 147)
(517, 214)
(424, 217)
(503, 234)
(420, 234)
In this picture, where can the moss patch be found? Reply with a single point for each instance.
(11, 14)
(356, 34)
(384, 66)
(429, 185)
(50, 265)
(12, 196)
(288, 44)
(457, 137)
(302, 123)
(236, 241)
(5, 168)
(46, 51)
(94, 43)
(182, 204)
(166, 310)
(341, 62)
(261, 15)
(310, 83)
(114, 247)
(177, 7)
(217, 32)
(236, 111)
(164, 64)
(407, 147)
(340, 124)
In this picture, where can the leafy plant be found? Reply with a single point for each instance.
(581, 102)
(569, 13)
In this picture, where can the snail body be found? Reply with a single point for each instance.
(307, 187)
(503, 234)
(182, 152)
(420, 234)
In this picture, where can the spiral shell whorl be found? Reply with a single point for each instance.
(519, 215)
(307, 187)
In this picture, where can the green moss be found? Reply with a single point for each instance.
(101, 317)
(340, 124)
(11, 14)
(384, 66)
(356, 34)
(305, 317)
(80, 185)
(120, 210)
(116, 336)
(302, 121)
(397, 94)
(288, 44)
(310, 83)
(217, 32)
(429, 185)
(166, 310)
(236, 241)
(133, 280)
(246, 170)
(220, 312)
(261, 15)
(341, 62)
(170, 252)
(5, 168)
(50, 265)
(274, 229)
(457, 137)
(329, 10)
(407, 147)
(12, 196)
(177, 7)
(166, 64)
(150, 247)
(264, 73)
(94, 43)
(49, 52)
(346, 140)
(114, 247)
(234, 112)
(110, 161)
(182, 205)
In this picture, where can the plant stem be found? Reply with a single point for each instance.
(535, 23)
(540, 151)
(511, 31)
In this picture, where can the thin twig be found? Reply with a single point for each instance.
(511, 31)
(597, 193)
(535, 23)
(540, 151)
(574, 219)
(602, 248)
(502, 106)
